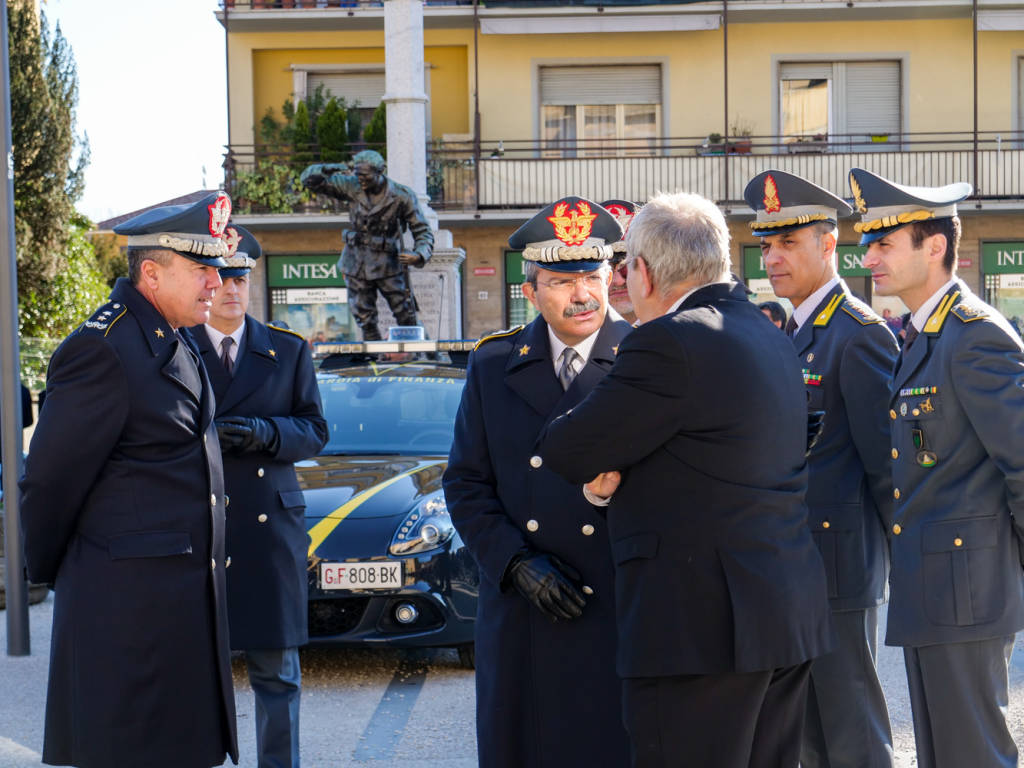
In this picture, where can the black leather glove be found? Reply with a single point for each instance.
(314, 181)
(815, 423)
(247, 434)
(548, 583)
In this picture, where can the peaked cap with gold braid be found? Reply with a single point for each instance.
(785, 202)
(570, 235)
(886, 206)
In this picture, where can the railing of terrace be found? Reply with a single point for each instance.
(530, 174)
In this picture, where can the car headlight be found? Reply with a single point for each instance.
(426, 527)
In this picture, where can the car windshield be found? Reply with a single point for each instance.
(402, 410)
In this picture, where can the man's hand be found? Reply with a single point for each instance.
(548, 583)
(247, 434)
(605, 484)
(409, 259)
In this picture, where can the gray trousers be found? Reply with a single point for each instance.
(958, 694)
(847, 723)
(276, 679)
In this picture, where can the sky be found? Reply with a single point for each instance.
(151, 98)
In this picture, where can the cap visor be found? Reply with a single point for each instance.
(580, 265)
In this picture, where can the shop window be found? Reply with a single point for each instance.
(518, 309)
(307, 292)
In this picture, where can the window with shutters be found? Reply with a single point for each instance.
(842, 105)
(589, 111)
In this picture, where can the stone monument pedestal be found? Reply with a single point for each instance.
(438, 291)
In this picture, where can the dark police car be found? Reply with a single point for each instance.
(386, 566)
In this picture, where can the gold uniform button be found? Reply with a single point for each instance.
(587, 590)
(826, 524)
(213, 565)
(532, 525)
(895, 453)
(588, 530)
(895, 493)
(260, 472)
(916, 412)
(213, 500)
(227, 563)
(958, 542)
(262, 518)
(536, 461)
(892, 414)
(897, 529)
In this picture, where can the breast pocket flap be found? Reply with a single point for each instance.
(639, 546)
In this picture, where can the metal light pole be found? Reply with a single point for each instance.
(10, 376)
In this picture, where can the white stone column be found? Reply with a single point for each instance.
(405, 98)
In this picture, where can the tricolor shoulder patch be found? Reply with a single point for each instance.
(938, 317)
(498, 335)
(824, 317)
(861, 313)
(967, 313)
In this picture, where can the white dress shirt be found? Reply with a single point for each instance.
(216, 337)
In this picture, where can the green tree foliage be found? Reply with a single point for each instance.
(376, 133)
(302, 137)
(73, 292)
(332, 133)
(49, 167)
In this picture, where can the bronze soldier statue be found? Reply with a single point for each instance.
(373, 259)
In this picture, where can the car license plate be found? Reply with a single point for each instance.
(363, 575)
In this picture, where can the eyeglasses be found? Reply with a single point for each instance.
(591, 282)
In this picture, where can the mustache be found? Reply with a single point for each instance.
(591, 305)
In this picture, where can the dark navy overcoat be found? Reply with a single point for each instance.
(123, 512)
(266, 530)
(547, 693)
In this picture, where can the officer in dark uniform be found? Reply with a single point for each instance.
(123, 511)
(269, 415)
(956, 411)
(547, 694)
(847, 354)
(618, 296)
(373, 258)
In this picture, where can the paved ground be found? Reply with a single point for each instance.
(375, 708)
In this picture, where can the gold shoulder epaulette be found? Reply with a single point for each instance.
(498, 334)
(103, 319)
(861, 313)
(285, 330)
(966, 313)
(825, 316)
(938, 317)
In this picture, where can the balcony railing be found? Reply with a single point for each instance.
(529, 174)
(262, 4)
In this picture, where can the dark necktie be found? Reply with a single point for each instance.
(791, 326)
(567, 373)
(911, 335)
(225, 355)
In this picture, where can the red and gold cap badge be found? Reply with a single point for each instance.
(572, 225)
(220, 212)
(772, 204)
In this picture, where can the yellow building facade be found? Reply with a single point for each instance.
(620, 100)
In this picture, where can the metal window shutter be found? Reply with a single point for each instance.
(365, 87)
(805, 70)
(620, 84)
(872, 97)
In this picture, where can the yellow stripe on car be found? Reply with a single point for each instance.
(319, 532)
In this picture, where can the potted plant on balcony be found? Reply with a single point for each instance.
(740, 133)
(713, 145)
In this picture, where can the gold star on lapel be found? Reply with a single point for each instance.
(159, 333)
(523, 350)
(272, 353)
